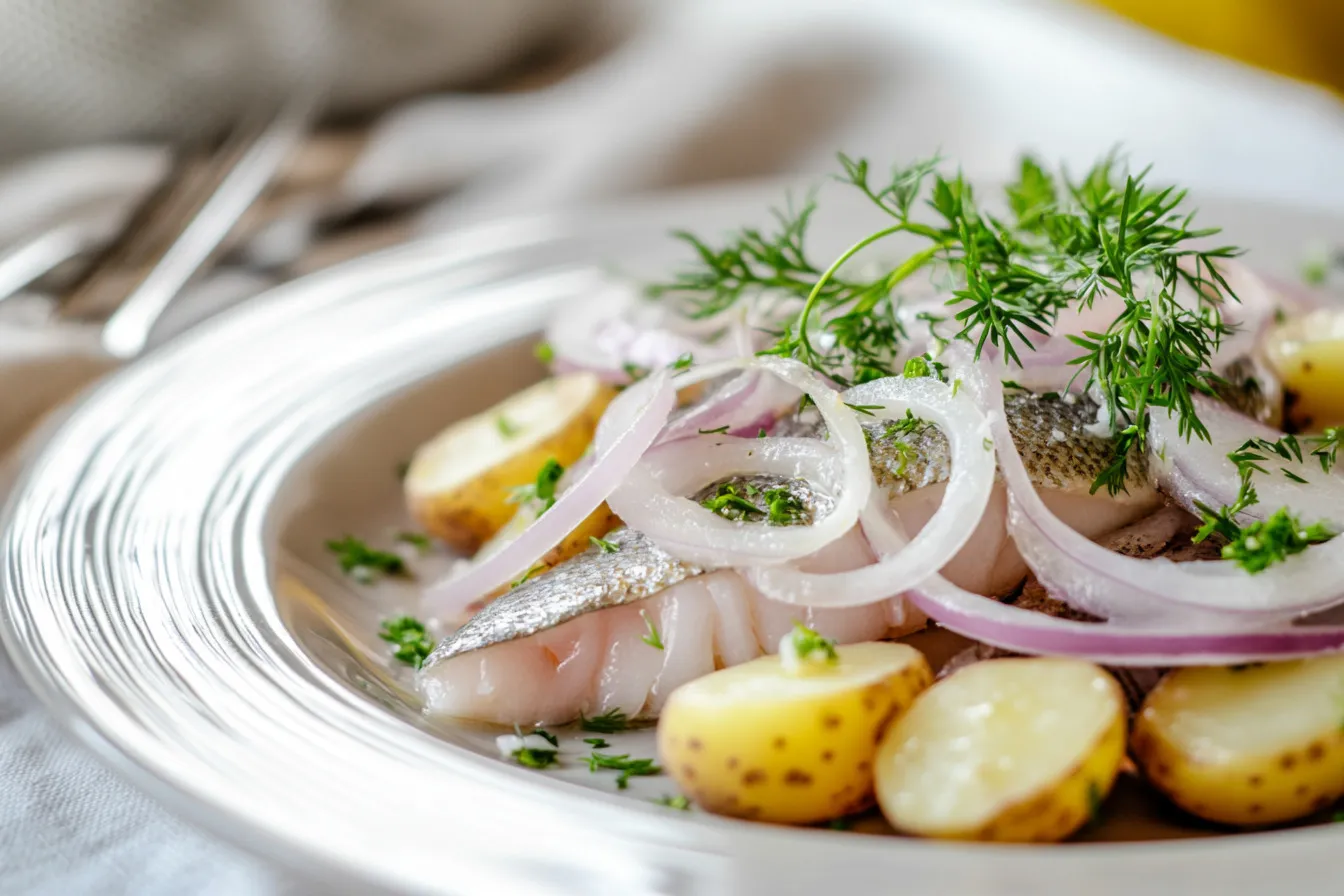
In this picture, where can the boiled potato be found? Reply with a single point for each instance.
(762, 741)
(1009, 749)
(1307, 353)
(1250, 745)
(459, 484)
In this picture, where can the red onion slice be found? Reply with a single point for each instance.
(942, 537)
(650, 502)
(1217, 595)
(1112, 643)
(635, 418)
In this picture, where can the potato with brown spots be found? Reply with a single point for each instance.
(1246, 745)
(771, 742)
(1015, 750)
(459, 484)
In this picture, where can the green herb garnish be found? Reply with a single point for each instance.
(527, 575)
(416, 540)
(809, 646)
(597, 743)
(542, 490)
(544, 352)
(653, 638)
(865, 409)
(635, 372)
(1064, 243)
(609, 722)
(674, 802)
(506, 427)
(535, 757)
(783, 507)
(607, 547)
(408, 634)
(728, 503)
(627, 767)
(682, 362)
(361, 561)
(916, 367)
(714, 432)
(1261, 544)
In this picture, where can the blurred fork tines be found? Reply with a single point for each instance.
(182, 226)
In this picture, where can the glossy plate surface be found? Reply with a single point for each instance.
(166, 591)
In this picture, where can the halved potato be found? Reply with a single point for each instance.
(1249, 745)
(1307, 353)
(459, 484)
(1008, 749)
(760, 741)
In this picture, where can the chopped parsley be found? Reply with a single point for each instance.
(609, 722)
(714, 432)
(781, 507)
(607, 547)
(507, 428)
(362, 562)
(544, 352)
(628, 768)
(416, 540)
(542, 489)
(674, 802)
(535, 757)
(730, 504)
(653, 639)
(808, 646)
(412, 641)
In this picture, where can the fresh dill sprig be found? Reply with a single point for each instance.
(728, 503)
(783, 508)
(1064, 244)
(410, 637)
(540, 567)
(1276, 538)
(609, 722)
(362, 562)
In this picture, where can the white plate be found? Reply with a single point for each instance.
(165, 590)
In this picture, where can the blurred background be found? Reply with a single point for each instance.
(120, 125)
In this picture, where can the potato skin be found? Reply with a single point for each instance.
(793, 759)
(1243, 790)
(466, 516)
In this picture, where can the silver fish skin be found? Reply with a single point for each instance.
(1050, 431)
(597, 579)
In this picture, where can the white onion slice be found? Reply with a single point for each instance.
(651, 500)
(1113, 643)
(947, 531)
(1196, 470)
(635, 418)
(1215, 595)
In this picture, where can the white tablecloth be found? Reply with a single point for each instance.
(710, 89)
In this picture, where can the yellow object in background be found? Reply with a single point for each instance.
(1302, 39)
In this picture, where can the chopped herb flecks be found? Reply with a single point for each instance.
(674, 802)
(527, 575)
(544, 352)
(412, 641)
(627, 767)
(541, 490)
(653, 639)
(362, 562)
(682, 362)
(415, 539)
(534, 757)
(609, 722)
(808, 646)
(507, 428)
(597, 743)
(606, 547)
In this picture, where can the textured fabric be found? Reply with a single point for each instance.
(81, 70)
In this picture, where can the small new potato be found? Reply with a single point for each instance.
(459, 483)
(1246, 745)
(763, 742)
(1307, 353)
(1014, 750)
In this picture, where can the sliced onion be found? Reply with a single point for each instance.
(652, 500)
(947, 531)
(1194, 470)
(603, 334)
(1215, 595)
(635, 418)
(1112, 643)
